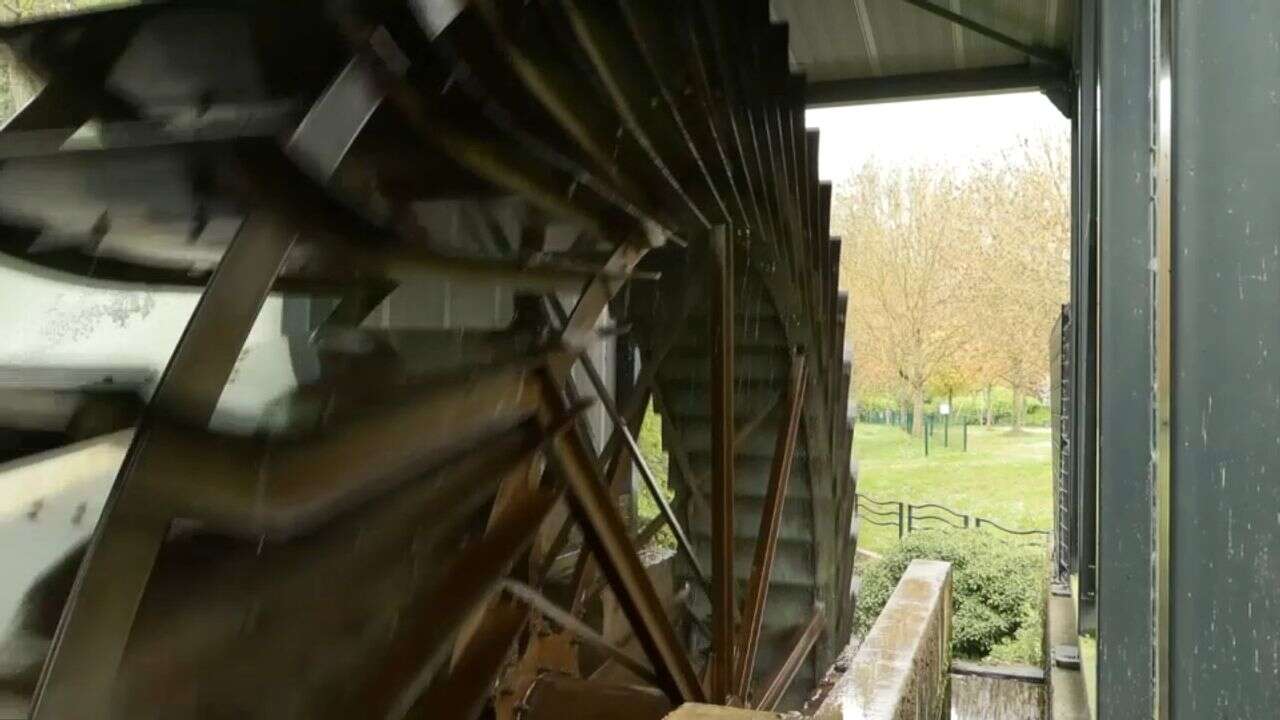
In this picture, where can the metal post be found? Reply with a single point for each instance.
(926, 437)
(946, 431)
(966, 436)
(900, 531)
(1163, 351)
(1126, 622)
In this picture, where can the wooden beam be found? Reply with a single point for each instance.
(722, 452)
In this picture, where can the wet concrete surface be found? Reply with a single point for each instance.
(902, 669)
(975, 697)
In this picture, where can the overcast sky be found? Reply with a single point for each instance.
(956, 131)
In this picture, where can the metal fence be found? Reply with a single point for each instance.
(909, 517)
(1061, 401)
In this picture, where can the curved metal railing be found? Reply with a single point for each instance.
(907, 517)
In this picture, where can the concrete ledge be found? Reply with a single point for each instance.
(902, 669)
(698, 711)
(1068, 699)
(1022, 673)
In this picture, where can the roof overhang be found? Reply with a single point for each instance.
(862, 51)
(1053, 81)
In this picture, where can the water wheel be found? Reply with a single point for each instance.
(489, 236)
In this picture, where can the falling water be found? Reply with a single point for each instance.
(985, 698)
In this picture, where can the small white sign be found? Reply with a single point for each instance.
(944, 409)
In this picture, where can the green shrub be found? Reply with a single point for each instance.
(997, 589)
(655, 457)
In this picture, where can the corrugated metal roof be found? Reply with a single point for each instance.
(833, 40)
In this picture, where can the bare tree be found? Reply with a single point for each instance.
(955, 276)
(906, 272)
(1024, 251)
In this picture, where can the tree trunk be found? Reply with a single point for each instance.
(917, 408)
(986, 406)
(1019, 407)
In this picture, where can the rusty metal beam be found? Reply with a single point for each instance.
(99, 616)
(649, 532)
(191, 615)
(403, 685)
(578, 628)
(611, 456)
(753, 423)
(556, 697)
(251, 488)
(722, 452)
(605, 44)
(483, 644)
(422, 641)
(678, 451)
(464, 690)
(683, 543)
(782, 678)
(642, 540)
(770, 523)
(583, 115)
(606, 534)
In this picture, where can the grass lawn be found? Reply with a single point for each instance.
(1002, 477)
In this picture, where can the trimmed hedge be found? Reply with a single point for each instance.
(997, 592)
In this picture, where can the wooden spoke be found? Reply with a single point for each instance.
(422, 644)
(584, 632)
(770, 523)
(785, 673)
(683, 544)
(722, 466)
(606, 534)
